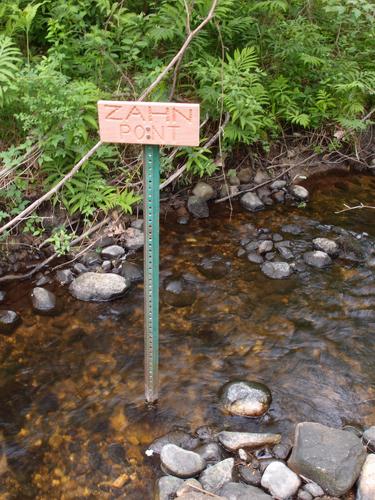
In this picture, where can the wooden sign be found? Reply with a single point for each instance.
(156, 123)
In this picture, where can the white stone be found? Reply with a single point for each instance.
(280, 481)
(366, 483)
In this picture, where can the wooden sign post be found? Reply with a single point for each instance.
(151, 124)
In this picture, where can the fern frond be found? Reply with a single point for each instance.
(10, 58)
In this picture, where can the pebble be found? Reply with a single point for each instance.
(281, 482)
(317, 258)
(285, 253)
(214, 478)
(250, 475)
(277, 270)
(299, 192)
(113, 252)
(245, 398)
(106, 266)
(326, 245)
(134, 239)
(204, 191)
(252, 202)
(43, 300)
(9, 320)
(181, 463)
(265, 246)
(233, 441)
(366, 484)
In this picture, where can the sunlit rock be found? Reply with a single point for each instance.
(214, 478)
(233, 441)
(317, 258)
(248, 399)
(43, 300)
(181, 463)
(98, 287)
(280, 481)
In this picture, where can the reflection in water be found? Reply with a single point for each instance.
(71, 386)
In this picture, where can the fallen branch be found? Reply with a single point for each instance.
(254, 188)
(347, 208)
(16, 220)
(44, 263)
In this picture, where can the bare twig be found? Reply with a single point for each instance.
(347, 208)
(182, 50)
(44, 263)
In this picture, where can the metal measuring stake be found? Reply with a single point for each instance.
(152, 124)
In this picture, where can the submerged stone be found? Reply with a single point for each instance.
(179, 293)
(214, 267)
(181, 463)
(43, 300)
(198, 207)
(248, 399)
(277, 270)
(98, 287)
(166, 487)
(9, 320)
(233, 441)
(330, 457)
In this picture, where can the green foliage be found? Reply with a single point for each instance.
(61, 241)
(271, 65)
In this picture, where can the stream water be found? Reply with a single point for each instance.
(72, 415)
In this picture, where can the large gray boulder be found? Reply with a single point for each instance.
(233, 441)
(366, 483)
(280, 481)
(98, 287)
(181, 463)
(330, 457)
(245, 398)
(214, 478)
(238, 491)
(252, 202)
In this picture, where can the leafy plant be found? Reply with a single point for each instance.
(10, 58)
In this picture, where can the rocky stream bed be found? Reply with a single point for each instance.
(267, 374)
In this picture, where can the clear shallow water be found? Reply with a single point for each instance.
(72, 414)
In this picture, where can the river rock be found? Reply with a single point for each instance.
(214, 267)
(134, 238)
(214, 477)
(238, 491)
(366, 483)
(285, 253)
(304, 495)
(137, 224)
(250, 475)
(252, 202)
(9, 320)
(233, 180)
(314, 489)
(177, 437)
(279, 196)
(280, 481)
(64, 276)
(255, 258)
(79, 268)
(368, 439)
(106, 266)
(198, 207)
(299, 192)
(282, 451)
(112, 252)
(244, 175)
(181, 463)
(98, 287)
(210, 452)
(261, 176)
(179, 293)
(326, 245)
(189, 486)
(317, 258)
(330, 457)
(91, 259)
(131, 272)
(277, 270)
(233, 441)
(265, 246)
(278, 184)
(166, 487)
(204, 191)
(291, 229)
(43, 300)
(247, 399)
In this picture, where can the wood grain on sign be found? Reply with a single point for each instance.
(158, 123)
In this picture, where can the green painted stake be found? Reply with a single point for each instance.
(151, 212)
